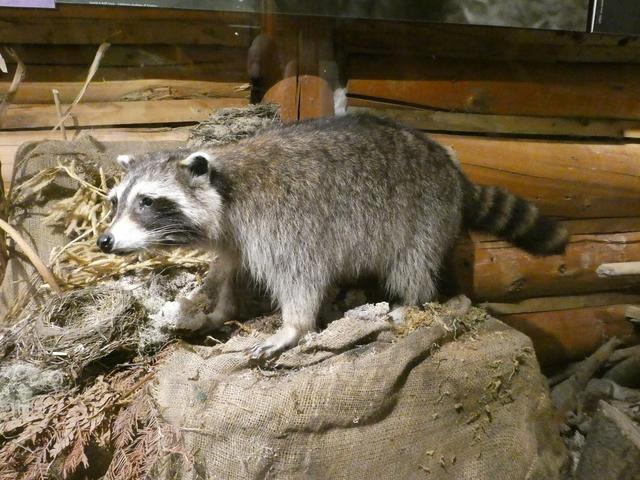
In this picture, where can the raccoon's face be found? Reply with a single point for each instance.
(165, 198)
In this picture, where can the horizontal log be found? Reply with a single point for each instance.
(481, 42)
(119, 113)
(548, 304)
(69, 25)
(223, 71)
(568, 179)
(440, 121)
(11, 141)
(492, 271)
(535, 89)
(112, 91)
(130, 55)
(569, 335)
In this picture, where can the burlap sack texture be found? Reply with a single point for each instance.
(357, 401)
(34, 157)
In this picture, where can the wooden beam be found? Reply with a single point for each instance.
(233, 70)
(549, 304)
(440, 121)
(128, 55)
(483, 42)
(570, 335)
(119, 113)
(568, 179)
(535, 89)
(498, 271)
(91, 25)
(123, 90)
(316, 98)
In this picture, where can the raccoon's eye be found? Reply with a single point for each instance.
(146, 201)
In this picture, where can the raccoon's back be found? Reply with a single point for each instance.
(352, 184)
(359, 156)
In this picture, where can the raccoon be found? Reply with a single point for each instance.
(303, 206)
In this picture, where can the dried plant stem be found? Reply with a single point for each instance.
(92, 71)
(33, 257)
(56, 99)
(15, 83)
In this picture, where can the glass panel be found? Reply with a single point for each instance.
(547, 14)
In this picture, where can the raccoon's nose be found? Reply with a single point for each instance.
(105, 242)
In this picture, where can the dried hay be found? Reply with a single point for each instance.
(82, 217)
(81, 327)
(229, 125)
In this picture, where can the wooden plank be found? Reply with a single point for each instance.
(111, 91)
(285, 94)
(535, 89)
(119, 113)
(10, 141)
(128, 55)
(564, 178)
(570, 335)
(498, 271)
(316, 97)
(440, 121)
(481, 42)
(233, 70)
(548, 304)
(69, 25)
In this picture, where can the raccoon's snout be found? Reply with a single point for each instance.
(105, 242)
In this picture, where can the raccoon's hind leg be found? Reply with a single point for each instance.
(299, 311)
(222, 272)
(412, 282)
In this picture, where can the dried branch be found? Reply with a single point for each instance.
(92, 71)
(56, 100)
(18, 76)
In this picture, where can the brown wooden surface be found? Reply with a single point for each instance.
(204, 27)
(316, 98)
(285, 94)
(480, 42)
(125, 90)
(570, 335)
(71, 24)
(564, 178)
(119, 113)
(204, 71)
(439, 121)
(496, 271)
(474, 86)
(10, 141)
(549, 304)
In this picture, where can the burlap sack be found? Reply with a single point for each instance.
(28, 218)
(358, 402)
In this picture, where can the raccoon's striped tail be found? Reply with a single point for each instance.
(494, 210)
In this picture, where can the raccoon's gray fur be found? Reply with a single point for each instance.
(305, 205)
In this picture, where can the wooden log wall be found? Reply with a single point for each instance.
(552, 116)
(163, 68)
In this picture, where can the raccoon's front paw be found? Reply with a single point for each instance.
(283, 339)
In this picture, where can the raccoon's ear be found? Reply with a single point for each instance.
(197, 163)
(124, 161)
